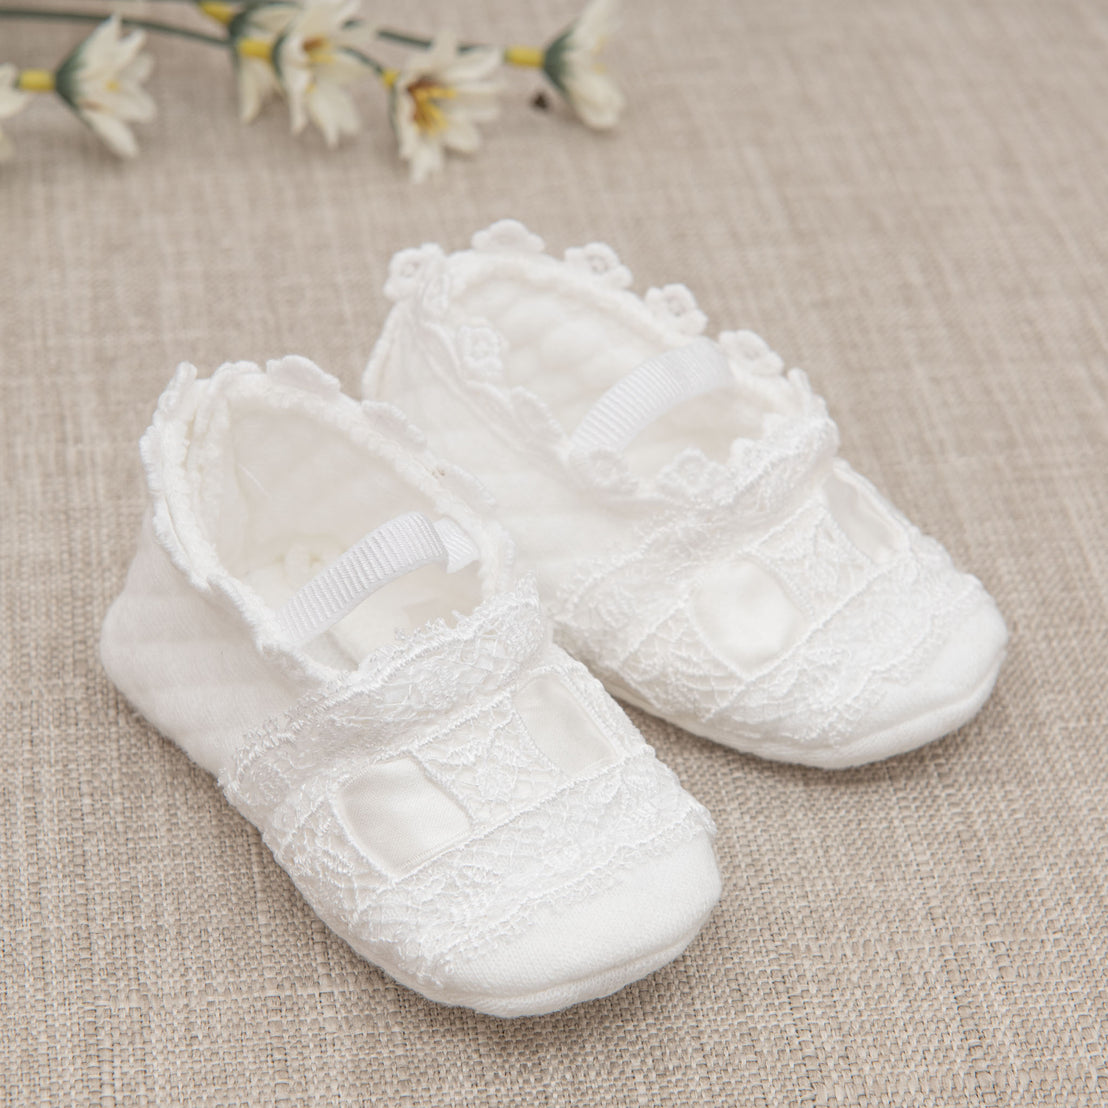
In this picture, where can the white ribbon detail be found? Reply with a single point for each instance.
(405, 543)
(649, 391)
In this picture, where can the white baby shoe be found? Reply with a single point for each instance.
(699, 544)
(321, 613)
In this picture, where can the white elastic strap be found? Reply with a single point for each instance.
(395, 548)
(649, 391)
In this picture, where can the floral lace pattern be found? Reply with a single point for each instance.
(600, 262)
(759, 474)
(538, 835)
(869, 622)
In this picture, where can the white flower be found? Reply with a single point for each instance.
(11, 101)
(508, 236)
(317, 55)
(253, 31)
(572, 62)
(676, 305)
(438, 99)
(479, 350)
(102, 82)
(752, 351)
(411, 269)
(599, 260)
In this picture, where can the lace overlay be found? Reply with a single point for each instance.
(626, 608)
(539, 838)
(869, 623)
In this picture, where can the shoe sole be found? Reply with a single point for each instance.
(565, 995)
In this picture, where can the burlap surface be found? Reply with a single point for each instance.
(907, 200)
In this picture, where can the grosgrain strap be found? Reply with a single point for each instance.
(405, 543)
(649, 391)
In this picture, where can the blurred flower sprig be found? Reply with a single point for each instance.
(312, 53)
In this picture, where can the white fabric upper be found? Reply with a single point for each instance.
(698, 542)
(453, 794)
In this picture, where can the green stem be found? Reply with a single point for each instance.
(403, 39)
(87, 17)
(365, 59)
(419, 43)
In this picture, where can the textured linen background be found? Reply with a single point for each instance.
(909, 201)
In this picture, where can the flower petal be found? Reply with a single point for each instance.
(427, 160)
(437, 100)
(473, 65)
(12, 99)
(102, 81)
(596, 98)
(113, 132)
(461, 135)
(332, 111)
(314, 66)
(256, 83)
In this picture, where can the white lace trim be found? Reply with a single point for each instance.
(380, 428)
(540, 838)
(869, 623)
(759, 473)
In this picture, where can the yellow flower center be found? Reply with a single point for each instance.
(319, 50)
(426, 94)
(218, 10)
(36, 80)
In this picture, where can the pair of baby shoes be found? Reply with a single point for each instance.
(329, 616)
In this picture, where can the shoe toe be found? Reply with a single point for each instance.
(950, 691)
(601, 943)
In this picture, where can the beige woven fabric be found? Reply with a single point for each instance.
(908, 200)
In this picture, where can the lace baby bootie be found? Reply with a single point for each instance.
(699, 544)
(321, 613)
